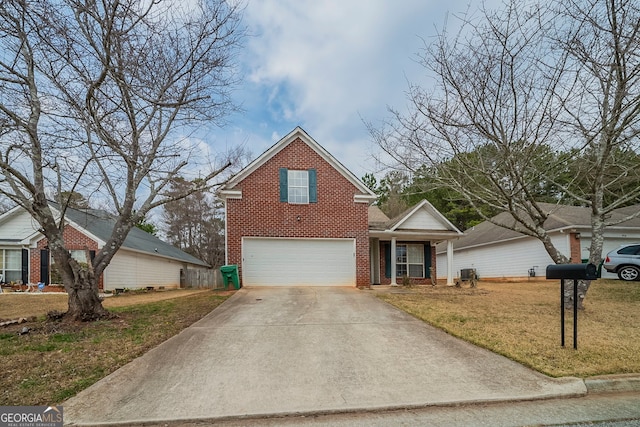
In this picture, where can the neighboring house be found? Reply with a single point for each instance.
(142, 261)
(295, 216)
(498, 253)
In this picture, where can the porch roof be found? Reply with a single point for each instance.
(420, 222)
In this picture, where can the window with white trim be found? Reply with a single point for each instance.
(298, 186)
(55, 276)
(410, 260)
(11, 265)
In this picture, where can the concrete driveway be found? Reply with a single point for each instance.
(270, 351)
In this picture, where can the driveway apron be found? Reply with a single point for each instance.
(269, 351)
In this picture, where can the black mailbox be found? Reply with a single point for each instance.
(572, 271)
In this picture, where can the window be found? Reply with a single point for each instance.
(410, 260)
(11, 265)
(298, 186)
(629, 250)
(55, 276)
(79, 255)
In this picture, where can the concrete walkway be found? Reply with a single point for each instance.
(305, 350)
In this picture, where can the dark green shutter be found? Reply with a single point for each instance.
(313, 186)
(387, 260)
(44, 266)
(284, 187)
(427, 260)
(25, 266)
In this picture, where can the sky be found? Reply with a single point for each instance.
(328, 66)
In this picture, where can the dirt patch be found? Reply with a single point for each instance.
(16, 305)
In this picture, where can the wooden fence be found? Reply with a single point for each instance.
(202, 278)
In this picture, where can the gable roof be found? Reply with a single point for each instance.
(101, 223)
(422, 217)
(298, 132)
(561, 217)
(424, 209)
(377, 218)
(98, 224)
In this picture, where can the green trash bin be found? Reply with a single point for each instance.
(230, 274)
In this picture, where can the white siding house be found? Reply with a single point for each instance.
(498, 253)
(506, 259)
(142, 261)
(130, 269)
(16, 224)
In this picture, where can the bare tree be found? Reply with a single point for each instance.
(390, 193)
(493, 109)
(195, 224)
(98, 96)
(517, 92)
(602, 112)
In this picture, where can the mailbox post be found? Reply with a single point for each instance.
(573, 272)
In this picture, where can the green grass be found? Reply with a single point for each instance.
(57, 360)
(56, 338)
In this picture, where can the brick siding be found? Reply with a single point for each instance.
(73, 239)
(574, 248)
(335, 215)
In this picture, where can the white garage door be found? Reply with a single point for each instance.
(298, 262)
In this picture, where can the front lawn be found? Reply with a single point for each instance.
(55, 360)
(522, 321)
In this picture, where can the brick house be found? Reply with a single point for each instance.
(412, 237)
(143, 260)
(296, 216)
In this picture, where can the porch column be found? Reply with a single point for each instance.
(450, 263)
(374, 254)
(393, 262)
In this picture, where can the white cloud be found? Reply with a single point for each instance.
(326, 64)
(326, 61)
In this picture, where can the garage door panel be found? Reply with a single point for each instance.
(298, 262)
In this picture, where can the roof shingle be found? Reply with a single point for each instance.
(100, 224)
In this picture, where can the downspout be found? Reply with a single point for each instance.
(226, 234)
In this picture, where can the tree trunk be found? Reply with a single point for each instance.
(553, 252)
(595, 251)
(583, 287)
(84, 301)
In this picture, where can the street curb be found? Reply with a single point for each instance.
(317, 413)
(593, 385)
(613, 383)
